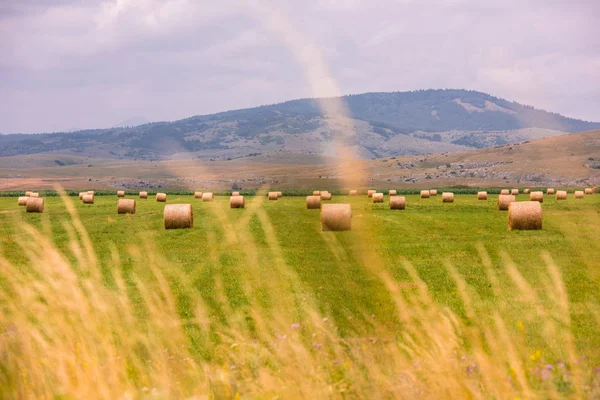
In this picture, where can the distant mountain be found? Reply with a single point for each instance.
(386, 124)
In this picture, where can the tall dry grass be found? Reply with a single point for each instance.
(65, 333)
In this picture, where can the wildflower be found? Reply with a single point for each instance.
(295, 326)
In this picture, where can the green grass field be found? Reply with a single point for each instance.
(272, 255)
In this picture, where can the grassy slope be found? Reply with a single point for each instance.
(243, 260)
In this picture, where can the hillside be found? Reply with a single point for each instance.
(386, 124)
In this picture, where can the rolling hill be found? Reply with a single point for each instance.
(386, 124)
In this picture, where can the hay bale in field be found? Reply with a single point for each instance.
(313, 202)
(81, 194)
(143, 195)
(425, 194)
(526, 191)
(178, 216)
(88, 198)
(525, 215)
(481, 195)
(126, 206)
(433, 192)
(91, 192)
(236, 201)
(537, 196)
(207, 197)
(371, 192)
(273, 196)
(579, 194)
(550, 191)
(325, 195)
(504, 192)
(514, 192)
(279, 195)
(504, 201)
(588, 191)
(377, 198)
(561, 195)
(34, 205)
(34, 194)
(197, 195)
(316, 193)
(28, 193)
(397, 203)
(393, 192)
(353, 193)
(336, 217)
(595, 189)
(22, 201)
(235, 193)
(121, 193)
(447, 197)
(161, 197)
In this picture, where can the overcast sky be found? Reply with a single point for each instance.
(68, 64)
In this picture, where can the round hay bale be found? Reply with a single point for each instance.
(178, 216)
(88, 199)
(447, 197)
(161, 197)
(397, 203)
(504, 201)
(236, 201)
(549, 191)
(353, 193)
(81, 194)
(207, 197)
(579, 194)
(525, 215)
(126, 206)
(595, 189)
(526, 191)
(22, 201)
(336, 217)
(537, 196)
(377, 198)
(325, 195)
(143, 195)
(561, 195)
(393, 192)
(481, 195)
(28, 193)
(34, 205)
(273, 196)
(424, 194)
(121, 193)
(197, 195)
(371, 192)
(504, 192)
(279, 195)
(313, 202)
(235, 193)
(91, 192)
(34, 194)
(433, 192)
(514, 192)
(316, 193)
(588, 191)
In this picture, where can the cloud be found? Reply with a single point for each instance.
(88, 63)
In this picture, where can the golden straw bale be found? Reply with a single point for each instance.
(526, 191)
(537, 196)
(178, 216)
(561, 195)
(397, 203)
(88, 198)
(353, 193)
(316, 193)
(579, 194)
(325, 195)
(273, 196)
(595, 189)
(313, 202)
(28, 193)
(235, 193)
(279, 195)
(504, 201)
(550, 191)
(34, 194)
(22, 201)
(514, 192)
(81, 194)
(447, 197)
(481, 195)
(143, 195)
(588, 191)
(91, 192)
(505, 191)
(336, 217)
(126, 206)
(207, 197)
(393, 192)
(433, 192)
(377, 198)
(525, 215)
(161, 197)
(121, 193)
(424, 194)
(197, 195)
(236, 202)
(371, 192)
(34, 205)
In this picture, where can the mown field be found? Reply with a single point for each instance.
(238, 269)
